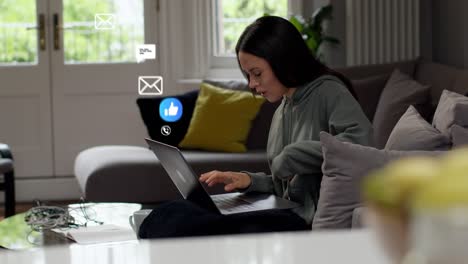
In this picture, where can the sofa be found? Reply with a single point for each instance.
(133, 173)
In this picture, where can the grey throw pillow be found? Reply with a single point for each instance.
(399, 93)
(459, 135)
(368, 92)
(412, 132)
(344, 166)
(452, 109)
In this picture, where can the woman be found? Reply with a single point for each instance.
(278, 65)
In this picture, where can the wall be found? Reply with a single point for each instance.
(336, 56)
(426, 29)
(450, 35)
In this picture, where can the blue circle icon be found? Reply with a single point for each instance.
(170, 109)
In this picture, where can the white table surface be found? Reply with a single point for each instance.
(299, 247)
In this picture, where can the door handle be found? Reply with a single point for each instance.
(41, 31)
(56, 32)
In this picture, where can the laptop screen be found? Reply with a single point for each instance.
(182, 174)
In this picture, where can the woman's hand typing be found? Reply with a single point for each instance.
(231, 180)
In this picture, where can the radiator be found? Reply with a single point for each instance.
(381, 31)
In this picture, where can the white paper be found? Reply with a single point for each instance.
(99, 234)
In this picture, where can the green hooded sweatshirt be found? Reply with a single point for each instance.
(294, 150)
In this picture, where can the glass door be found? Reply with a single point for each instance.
(25, 91)
(95, 73)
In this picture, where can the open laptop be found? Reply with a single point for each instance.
(193, 190)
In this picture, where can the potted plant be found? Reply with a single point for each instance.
(312, 29)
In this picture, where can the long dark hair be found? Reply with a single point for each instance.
(277, 41)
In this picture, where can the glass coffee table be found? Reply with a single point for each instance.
(16, 234)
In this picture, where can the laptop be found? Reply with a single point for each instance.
(192, 189)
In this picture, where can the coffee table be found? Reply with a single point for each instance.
(16, 234)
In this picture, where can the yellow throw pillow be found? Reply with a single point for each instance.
(221, 119)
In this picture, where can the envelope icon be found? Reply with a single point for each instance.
(150, 85)
(104, 21)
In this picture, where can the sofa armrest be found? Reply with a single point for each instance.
(5, 151)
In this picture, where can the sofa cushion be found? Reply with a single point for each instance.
(149, 110)
(368, 92)
(221, 119)
(459, 135)
(344, 166)
(461, 83)
(412, 132)
(134, 174)
(452, 109)
(399, 93)
(258, 134)
(238, 85)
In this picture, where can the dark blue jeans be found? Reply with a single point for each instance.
(183, 218)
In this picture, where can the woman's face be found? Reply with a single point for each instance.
(261, 77)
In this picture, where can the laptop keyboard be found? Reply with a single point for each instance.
(232, 203)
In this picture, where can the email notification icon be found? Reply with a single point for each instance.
(150, 85)
(104, 21)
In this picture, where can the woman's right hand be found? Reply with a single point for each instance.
(231, 180)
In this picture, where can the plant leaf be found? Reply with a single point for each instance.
(321, 14)
(312, 44)
(295, 20)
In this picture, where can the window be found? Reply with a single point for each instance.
(83, 43)
(232, 16)
(17, 35)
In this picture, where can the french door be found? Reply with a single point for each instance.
(69, 78)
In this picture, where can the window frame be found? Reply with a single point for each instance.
(222, 63)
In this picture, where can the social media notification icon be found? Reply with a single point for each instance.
(165, 130)
(170, 109)
(145, 52)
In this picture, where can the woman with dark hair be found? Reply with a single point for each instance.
(278, 65)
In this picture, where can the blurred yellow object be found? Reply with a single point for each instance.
(392, 186)
(455, 163)
(443, 193)
(421, 204)
(450, 190)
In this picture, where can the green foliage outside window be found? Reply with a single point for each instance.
(82, 43)
(17, 43)
(238, 14)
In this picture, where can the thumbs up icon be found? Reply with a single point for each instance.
(170, 109)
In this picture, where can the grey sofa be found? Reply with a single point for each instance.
(133, 174)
